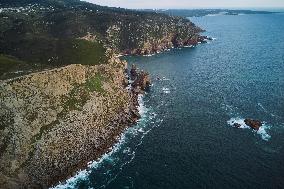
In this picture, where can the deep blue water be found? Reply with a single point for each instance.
(184, 139)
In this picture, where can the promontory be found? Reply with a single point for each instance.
(64, 99)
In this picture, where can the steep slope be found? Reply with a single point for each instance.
(54, 122)
(45, 33)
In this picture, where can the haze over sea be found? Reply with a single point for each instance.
(185, 138)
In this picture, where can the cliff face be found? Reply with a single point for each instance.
(55, 121)
(155, 33)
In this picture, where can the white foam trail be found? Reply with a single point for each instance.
(133, 131)
(266, 111)
(261, 106)
(238, 120)
(165, 79)
(166, 90)
(81, 175)
(148, 55)
(262, 130)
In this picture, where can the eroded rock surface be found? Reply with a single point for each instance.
(53, 122)
(254, 124)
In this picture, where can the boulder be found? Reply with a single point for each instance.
(237, 125)
(254, 124)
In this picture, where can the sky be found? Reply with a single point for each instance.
(165, 4)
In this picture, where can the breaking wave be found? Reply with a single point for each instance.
(109, 166)
(166, 90)
(263, 130)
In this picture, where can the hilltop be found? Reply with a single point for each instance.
(35, 35)
(207, 12)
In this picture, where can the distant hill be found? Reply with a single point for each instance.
(205, 12)
(47, 33)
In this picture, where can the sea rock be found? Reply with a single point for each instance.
(237, 125)
(142, 81)
(254, 124)
(133, 72)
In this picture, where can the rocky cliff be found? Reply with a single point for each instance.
(55, 121)
(41, 34)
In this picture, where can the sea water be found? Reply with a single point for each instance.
(186, 137)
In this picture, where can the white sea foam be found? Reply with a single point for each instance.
(108, 157)
(262, 130)
(165, 79)
(148, 55)
(81, 175)
(166, 90)
(261, 106)
(238, 120)
(266, 111)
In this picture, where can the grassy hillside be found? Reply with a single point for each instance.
(48, 33)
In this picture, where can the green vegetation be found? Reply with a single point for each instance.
(6, 120)
(95, 84)
(80, 94)
(82, 52)
(45, 33)
(44, 129)
(10, 64)
(75, 99)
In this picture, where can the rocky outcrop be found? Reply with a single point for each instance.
(237, 125)
(254, 124)
(167, 43)
(53, 123)
(133, 72)
(155, 33)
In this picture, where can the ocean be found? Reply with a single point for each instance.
(185, 138)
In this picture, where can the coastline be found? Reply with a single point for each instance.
(85, 170)
(40, 167)
(166, 45)
(117, 138)
(54, 165)
(73, 113)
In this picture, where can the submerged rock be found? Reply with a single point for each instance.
(254, 124)
(142, 81)
(237, 125)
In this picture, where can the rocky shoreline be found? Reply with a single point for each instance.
(166, 44)
(63, 124)
(140, 82)
(79, 120)
(74, 130)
